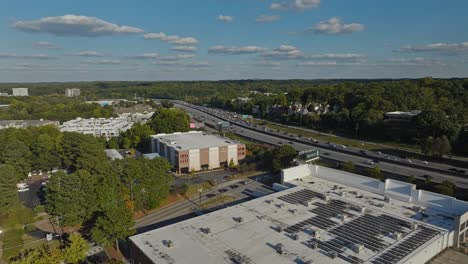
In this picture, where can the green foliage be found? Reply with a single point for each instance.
(8, 194)
(51, 107)
(411, 179)
(112, 225)
(282, 157)
(73, 252)
(184, 188)
(375, 173)
(348, 166)
(137, 137)
(170, 121)
(76, 250)
(446, 187)
(232, 164)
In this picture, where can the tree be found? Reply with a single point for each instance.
(426, 145)
(43, 255)
(170, 121)
(283, 157)
(232, 164)
(14, 152)
(137, 137)
(76, 251)
(45, 153)
(446, 187)
(8, 194)
(411, 179)
(348, 166)
(113, 225)
(375, 173)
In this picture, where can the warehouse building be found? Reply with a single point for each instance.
(197, 150)
(20, 91)
(321, 215)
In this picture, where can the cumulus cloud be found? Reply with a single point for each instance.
(287, 52)
(334, 26)
(266, 19)
(173, 39)
(284, 52)
(295, 5)
(19, 56)
(224, 18)
(74, 25)
(235, 49)
(442, 48)
(184, 48)
(88, 53)
(45, 45)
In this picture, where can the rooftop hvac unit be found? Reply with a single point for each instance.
(307, 203)
(387, 199)
(206, 230)
(280, 248)
(332, 254)
(397, 235)
(313, 245)
(358, 247)
(279, 229)
(239, 219)
(335, 187)
(293, 211)
(315, 234)
(295, 236)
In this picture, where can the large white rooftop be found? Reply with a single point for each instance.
(353, 226)
(194, 140)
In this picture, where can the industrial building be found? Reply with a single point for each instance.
(26, 123)
(197, 150)
(319, 215)
(19, 91)
(99, 127)
(72, 92)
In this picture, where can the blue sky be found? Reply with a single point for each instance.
(231, 39)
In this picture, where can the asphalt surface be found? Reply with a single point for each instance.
(187, 208)
(393, 165)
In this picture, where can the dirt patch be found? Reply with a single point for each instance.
(450, 256)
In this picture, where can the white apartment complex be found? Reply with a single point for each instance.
(72, 92)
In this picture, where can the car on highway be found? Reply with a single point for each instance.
(211, 195)
(375, 161)
(290, 142)
(363, 152)
(326, 154)
(409, 161)
(378, 152)
(234, 186)
(222, 190)
(424, 162)
(248, 181)
(370, 162)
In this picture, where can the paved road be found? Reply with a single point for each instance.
(409, 169)
(185, 209)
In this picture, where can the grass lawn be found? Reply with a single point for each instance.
(12, 242)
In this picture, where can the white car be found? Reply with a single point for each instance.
(370, 162)
(425, 162)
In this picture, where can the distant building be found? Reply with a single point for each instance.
(4, 94)
(400, 125)
(26, 123)
(109, 102)
(20, 91)
(113, 154)
(72, 92)
(196, 150)
(151, 156)
(99, 127)
(196, 125)
(319, 215)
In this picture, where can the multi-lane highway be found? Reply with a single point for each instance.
(437, 172)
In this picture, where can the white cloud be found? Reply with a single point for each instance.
(335, 26)
(184, 64)
(284, 52)
(295, 5)
(266, 19)
(103, 62)
(145, 56)
(287, 52)
(45, 45)
(418, 61)
(177, 57)
(224, 18)
(88, 53)
(18, 56)
(173, 39)
(235, 49)
(74, 25)
(443, 48)
(184, 48)
(328, 63)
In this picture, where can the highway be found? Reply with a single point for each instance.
(386, 163)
